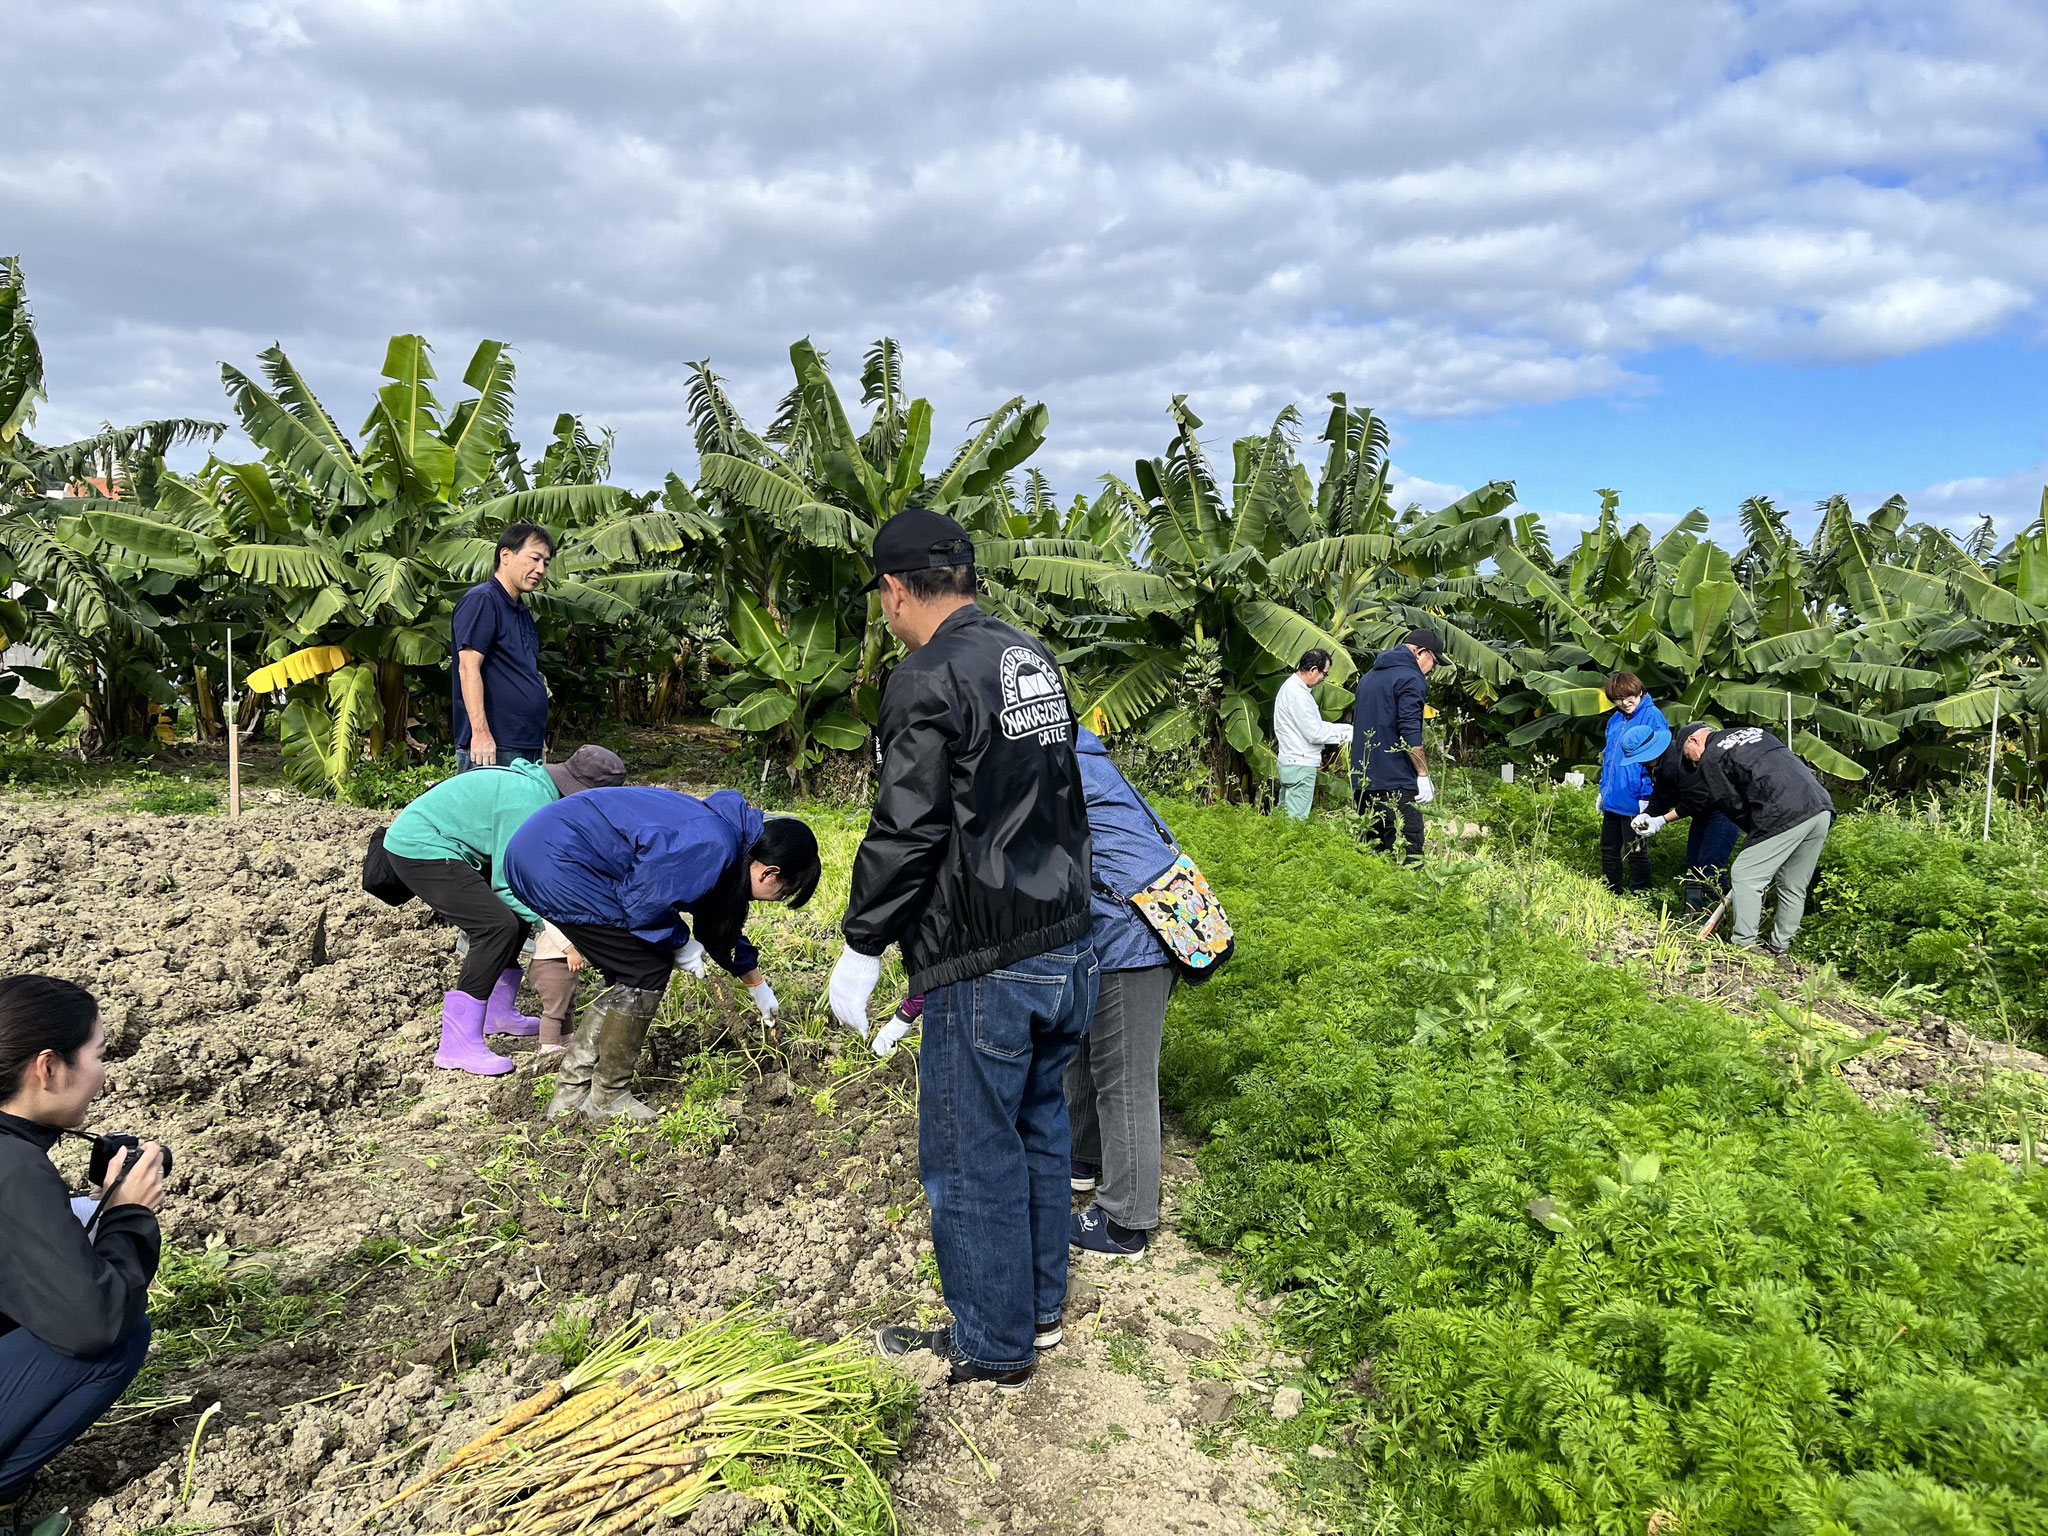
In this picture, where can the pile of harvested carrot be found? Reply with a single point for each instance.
(643, 1428)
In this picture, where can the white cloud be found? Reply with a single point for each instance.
(2012, 501)
(1442, 209)
(1405, 490)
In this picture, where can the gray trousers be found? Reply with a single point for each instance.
(1788, 859)
(1113, 1093)
(1297, 794)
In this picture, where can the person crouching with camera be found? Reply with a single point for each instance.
(74, 1324)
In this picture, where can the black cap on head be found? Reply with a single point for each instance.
(1425, 640)
(917, 540)
(588, 768)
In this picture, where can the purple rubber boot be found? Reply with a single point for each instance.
(500, 1017)
(462, 1038)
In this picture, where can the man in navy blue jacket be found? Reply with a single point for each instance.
(1389, 775)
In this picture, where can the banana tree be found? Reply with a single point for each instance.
(103, 648)
(1183, 633)
(789, 517)
(369, 547)
(795, 679)
(1836, 645)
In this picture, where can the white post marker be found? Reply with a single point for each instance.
(1507, 773)
(234, 738)
(1991, 767)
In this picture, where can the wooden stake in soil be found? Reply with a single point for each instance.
(234, 738)
(1991, 766)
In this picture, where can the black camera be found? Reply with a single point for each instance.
(103, 1150)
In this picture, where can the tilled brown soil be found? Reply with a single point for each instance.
(1928, 1065)
(414, 1239)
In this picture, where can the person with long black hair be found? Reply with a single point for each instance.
(626, 874)
(74, 1324)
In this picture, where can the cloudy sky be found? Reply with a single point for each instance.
(1691, 250)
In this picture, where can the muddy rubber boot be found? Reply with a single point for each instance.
(500, 1017)
(618, 1052)
(462, 1038)
(578, 1060)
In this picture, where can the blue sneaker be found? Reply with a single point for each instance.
(1089, 1231)
(1080, 1176)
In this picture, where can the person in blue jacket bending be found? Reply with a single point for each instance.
(624, 873)
(1636, 737)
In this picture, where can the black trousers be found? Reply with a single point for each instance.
(1619, 844)
(626, 959)
(48, 1400)
(1381, 807)
(459, 895)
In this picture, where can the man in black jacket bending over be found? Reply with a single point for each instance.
(975, 863)
(1758, 782)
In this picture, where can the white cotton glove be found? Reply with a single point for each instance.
(765, 999)
(691, 958)
(891, 1034)
(1649, 826)
(1425, 790)
(852, 984)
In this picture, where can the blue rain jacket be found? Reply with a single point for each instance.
(636, 857)
(1131, 848)
(1642, 735)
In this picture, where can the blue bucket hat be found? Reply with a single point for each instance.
(1644, 741)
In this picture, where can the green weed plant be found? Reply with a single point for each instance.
(1593, 1259)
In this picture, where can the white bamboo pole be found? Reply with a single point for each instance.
(1991, 767)
(234, 738)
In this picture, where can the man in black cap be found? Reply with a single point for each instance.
(976, 864)
(1762, 786)
(1388, 772)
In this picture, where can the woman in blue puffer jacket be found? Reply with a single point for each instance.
(1636, 737)
(1112, 1081)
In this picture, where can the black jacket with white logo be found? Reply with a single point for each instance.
(1760, 782)
(977, 851)
(1681, 787)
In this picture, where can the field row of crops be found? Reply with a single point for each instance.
(1570, 1254)
(1178, 595)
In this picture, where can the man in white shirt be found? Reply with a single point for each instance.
(1302, 732)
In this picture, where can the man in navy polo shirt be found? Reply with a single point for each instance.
(501, 700)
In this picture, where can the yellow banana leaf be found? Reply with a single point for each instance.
(299, 667)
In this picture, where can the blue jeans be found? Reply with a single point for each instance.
(993, 1143)
(48, 1400)
(506, 759)
(1709, 840)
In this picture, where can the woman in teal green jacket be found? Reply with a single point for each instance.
(448, 847)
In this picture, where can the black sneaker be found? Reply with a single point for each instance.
(1090, 1231)
(1080, 1176)
(1048, 1335)
(896, 1341)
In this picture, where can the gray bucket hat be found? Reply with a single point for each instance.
(588, 768)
